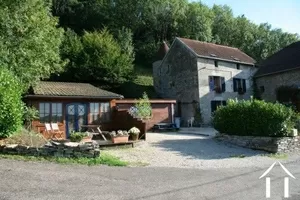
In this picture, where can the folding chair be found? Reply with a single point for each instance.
(56, 131)
(49, 130)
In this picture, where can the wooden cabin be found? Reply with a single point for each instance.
(71, 105)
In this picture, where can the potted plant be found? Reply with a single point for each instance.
(119, 137)
(80, 137)
(134, 133)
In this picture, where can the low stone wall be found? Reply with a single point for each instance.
(56, 149)
(269, 144)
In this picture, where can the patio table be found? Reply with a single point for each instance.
(95, 130)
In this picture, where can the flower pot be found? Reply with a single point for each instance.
(134, 137)
(119, 139)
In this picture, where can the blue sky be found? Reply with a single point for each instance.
(284, 14)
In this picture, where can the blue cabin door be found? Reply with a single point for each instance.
(76, 115)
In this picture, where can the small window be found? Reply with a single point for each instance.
(44, 111)
(262, 88)
(94, 112)
(105, 112)
(238, 66)
(217, 83)
(239, 85)
(56, 112)
(172, 83)
(216, 63)
(216, 104)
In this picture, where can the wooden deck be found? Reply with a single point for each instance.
(108, 143)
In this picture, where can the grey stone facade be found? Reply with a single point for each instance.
(269, 144)
(269, 83)
(184, 75)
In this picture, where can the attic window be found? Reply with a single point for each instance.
(213, 55)
(216, 63)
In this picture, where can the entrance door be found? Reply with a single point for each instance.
(76, 116)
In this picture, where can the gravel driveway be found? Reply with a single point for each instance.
(190, 151)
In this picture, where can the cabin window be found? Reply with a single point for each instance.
(56, 112)
(94, 111)
(100, 111)
(44, 110)
(50, 112)
(105, 112)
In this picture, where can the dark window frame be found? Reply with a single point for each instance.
(216, 82)
(216, 63)
(103, 112)
(239, 83)
(218, 103)
(52, 116)
(238, 66)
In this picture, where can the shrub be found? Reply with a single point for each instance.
(254, 117)
(77, 136)
(143, 107)
(26, 138)
(11, 105)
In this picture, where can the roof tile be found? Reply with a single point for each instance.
(217, 51)
(71, 89)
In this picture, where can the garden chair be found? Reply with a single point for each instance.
(190, 121)
(56, 132)
(49, 131)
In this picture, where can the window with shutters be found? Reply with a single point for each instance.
(216, 104)
(217, 83)
(239, 85)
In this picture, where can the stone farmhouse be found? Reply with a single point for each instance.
(201, 76)
(280, 69)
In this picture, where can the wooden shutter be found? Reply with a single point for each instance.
(211, 83)
(244, 85)
(223, 84)
(213, 105)
(235, 89)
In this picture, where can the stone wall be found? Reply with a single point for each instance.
(269, 144)
(56, 149)
(176, 78)
(271, 82)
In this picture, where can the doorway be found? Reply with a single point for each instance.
(76, 116)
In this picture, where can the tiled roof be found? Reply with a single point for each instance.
(286, 59)
(217, 51)
(46, 88)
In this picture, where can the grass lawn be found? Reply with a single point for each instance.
(142, 83)
(104, 159)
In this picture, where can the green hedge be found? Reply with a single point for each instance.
(254, 118)
(11, 105)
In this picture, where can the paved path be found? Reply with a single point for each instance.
(47, 181)
(192, 151)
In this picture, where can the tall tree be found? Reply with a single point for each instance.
(29, 40)
(96, 57)
(197, 22)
